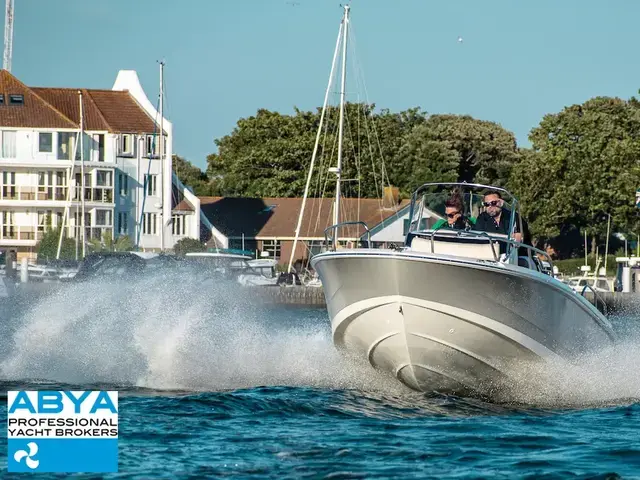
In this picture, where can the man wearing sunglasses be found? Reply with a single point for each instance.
(496, 218)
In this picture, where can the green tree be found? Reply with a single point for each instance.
(268, 154)
(187, 245)
(583, 167)
(108, 244)
(47, 247)
(486, 151)
(421, 159)
(192, 176)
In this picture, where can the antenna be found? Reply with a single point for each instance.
(8, 36)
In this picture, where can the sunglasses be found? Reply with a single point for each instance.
(493, 203)
(451, 215)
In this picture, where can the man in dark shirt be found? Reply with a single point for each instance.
(496, 218)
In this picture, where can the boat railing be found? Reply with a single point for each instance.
(597, 299)
(328, 240)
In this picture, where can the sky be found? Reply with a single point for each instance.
(225, 59)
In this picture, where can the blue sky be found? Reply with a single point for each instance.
(226, 58)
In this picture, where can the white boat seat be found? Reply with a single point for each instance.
(480, 248)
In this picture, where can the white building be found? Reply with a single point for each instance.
(125, 191)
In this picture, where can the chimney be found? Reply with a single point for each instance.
(390, 197)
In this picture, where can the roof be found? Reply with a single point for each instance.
(35, 112)
(183, 206)
(103, 110)
(278, 217)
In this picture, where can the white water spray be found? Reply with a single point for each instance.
(163, 332)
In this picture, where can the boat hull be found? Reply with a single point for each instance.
(446, 324)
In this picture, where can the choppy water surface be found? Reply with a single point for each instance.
(213, 385)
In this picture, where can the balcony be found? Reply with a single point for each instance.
(95, 195)
(20, 234)
(31, 235)
(57, 194)
(28, 193)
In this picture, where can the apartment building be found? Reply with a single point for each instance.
(128, 188)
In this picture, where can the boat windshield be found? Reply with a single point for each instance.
(433, 201)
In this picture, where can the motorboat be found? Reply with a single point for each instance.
(455, 310)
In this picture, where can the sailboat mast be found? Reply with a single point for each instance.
(315, 150)
(161, 149)
(67, 208)
(336, 209)
(84, 230)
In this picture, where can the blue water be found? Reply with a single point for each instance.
(213, 385)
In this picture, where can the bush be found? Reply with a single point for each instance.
(188, 245)
(571, 266)
(47, 247)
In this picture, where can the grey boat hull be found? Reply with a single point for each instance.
(441, 323)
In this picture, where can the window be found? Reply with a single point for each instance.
(179, 225)
(103, 218)
(150, 184)
(44, 220)
(66, 142)
(273, 247)
(8, 144)
(103, 178)
(61, 183)
(126, 144)
(45, 185)
(98, 148)
(122, 223)
(149, 224)
(9, 185)
(151, 146)
(8, 225)
(123, 180)
(45, 142)
(16, 99)
(1, 99)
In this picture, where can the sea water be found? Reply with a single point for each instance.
(214, 384)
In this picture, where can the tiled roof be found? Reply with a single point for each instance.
(65, 100)
(123, 113)
(183, 206)
(278, 217)
(34, 112)
(103, 110)
(110, 110)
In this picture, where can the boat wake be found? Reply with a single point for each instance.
(162, 332)
(603, 377)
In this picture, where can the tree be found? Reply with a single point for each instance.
(187, 245)
(108, 244)
(422, 160)
(47, 248)
(269, 154)
(486, 151)
(583, 167)
(192, 176)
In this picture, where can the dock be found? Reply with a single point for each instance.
(618, 302)
(293, 295)
(307, 296)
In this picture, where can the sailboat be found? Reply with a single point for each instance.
(452, 310)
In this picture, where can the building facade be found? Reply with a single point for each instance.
(128, 188)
